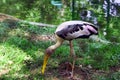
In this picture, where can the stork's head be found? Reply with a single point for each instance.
(48, 52)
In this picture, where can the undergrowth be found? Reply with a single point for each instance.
(21, 58)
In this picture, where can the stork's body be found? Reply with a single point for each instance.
(75, 29)
(68, 31)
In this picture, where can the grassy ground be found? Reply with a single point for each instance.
(21, 57)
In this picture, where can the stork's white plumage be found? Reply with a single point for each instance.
(68, 31)
(75, 29)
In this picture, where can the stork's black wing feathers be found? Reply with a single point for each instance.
(74, 28)
(62, 33)
(70, 29)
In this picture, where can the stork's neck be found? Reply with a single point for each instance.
(58, 43)
(55, 46)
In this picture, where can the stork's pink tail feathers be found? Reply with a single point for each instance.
(92, 29)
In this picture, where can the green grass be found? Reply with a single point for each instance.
(21, 58)
(18, 55)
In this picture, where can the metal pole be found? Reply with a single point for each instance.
(108, 13)
(73, 9)
(108, 18)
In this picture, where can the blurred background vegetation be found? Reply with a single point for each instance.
(20, 56)
(104, 13)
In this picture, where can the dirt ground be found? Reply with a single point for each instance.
(63, 72)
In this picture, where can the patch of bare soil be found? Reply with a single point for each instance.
(63, 72)
(35, 37)
(5, 16)
(4, 71)
(79, 73)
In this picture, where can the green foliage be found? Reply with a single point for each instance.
(3, 30)
(11, 7)
(38, 11)
(36, 29)
(33, 15)
(112, 76)
(113, 30)
(104, 56)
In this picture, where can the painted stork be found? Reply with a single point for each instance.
(68, 31)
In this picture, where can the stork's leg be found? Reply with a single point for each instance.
(72, 53)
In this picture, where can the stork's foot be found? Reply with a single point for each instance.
(65, 70)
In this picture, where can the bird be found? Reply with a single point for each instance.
(70, 30)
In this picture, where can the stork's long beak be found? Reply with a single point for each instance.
(45, 62)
